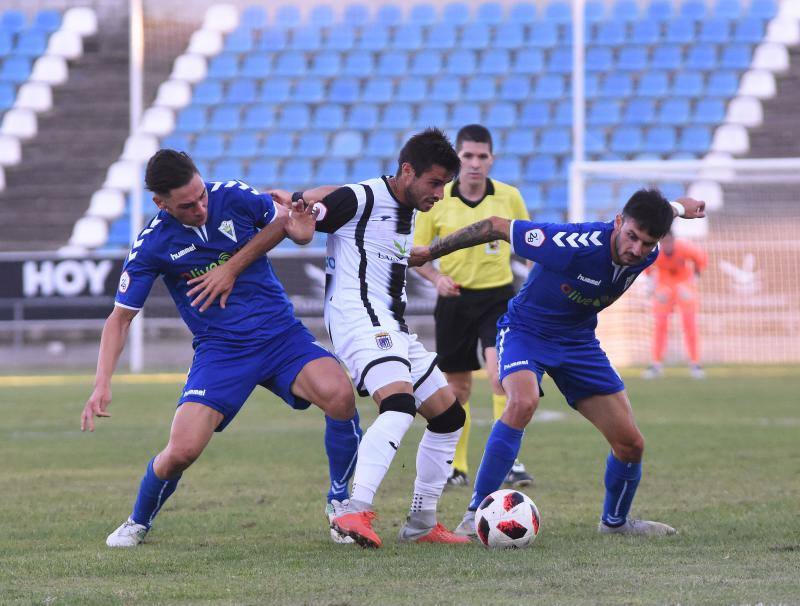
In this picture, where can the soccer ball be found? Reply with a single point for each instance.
(507, 519)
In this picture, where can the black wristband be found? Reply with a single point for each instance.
(297, 196)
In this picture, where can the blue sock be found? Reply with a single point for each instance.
(621, 481)
(341, 444)
(502, 448)
(153, 492)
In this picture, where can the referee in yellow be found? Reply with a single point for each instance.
(473, 284)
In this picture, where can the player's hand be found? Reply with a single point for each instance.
(419, 256)
(95, 407)
(216, 283)
(302, 221)
(695, 209)
(446, 287)
(282, 197)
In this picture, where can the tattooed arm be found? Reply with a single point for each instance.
(493, 228)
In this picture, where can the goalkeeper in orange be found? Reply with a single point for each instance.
(674, 272)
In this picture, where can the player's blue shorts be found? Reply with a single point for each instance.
(223, 375)
(580, 369)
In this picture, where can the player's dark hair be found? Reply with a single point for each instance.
(651, 211)
(473, 132)
(427, 148)
(168, 169)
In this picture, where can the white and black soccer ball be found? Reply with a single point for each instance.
(507, 519)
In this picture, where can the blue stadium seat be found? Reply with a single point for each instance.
(381, 144)
(432, 114)
(533, 197)
(441, 36)
(591, 86)
(225, 118)
(765, 9)
(8, 94)
(407, 37)
(239, 40)
(176, 141)
(509, 35)
(639, 112)
(272, 39)
(501, 115)
(535, 114)
(363, 117)
(653, 84)
(331, 170)
(423, 14)
(290, 63)
(728, 9)
(412, 90)
(736, 57)
(275, 90)
(494, 62)
(660, 140)
(277, 144)
(397, 116)
(294, 116)
(604, 113)
(345, 90)
(15, 69)
(555, 141)
(392, 63)
(321, 15)
(13, 21)
(515, 88)
(560, 61)
(558, 11)
(520, 141)
(328, 117)
(480, 89)
(680, 31)
(616, 85)
(312, 144)
(326, 64)
(563, 113)
(475, 36)
(595, 11)
(556, 197)
(378, 90)
(47, 21)
(426, 63)
(645, 32)
(672, 190)
(722, 84)
(357, 14)
(192, 119)
(376, 38)
(541, 168)
(693, 9)
(309, 90)
(341, 38)
(243, 90)
(297, 172)
(456, 13)
(659, 10)
(523, 12)
(31, 44)
(259, 117)
(610, 33)
(226, 169)
(632, 59)
(626, 140)
(359, 64)
(288, 15)
(715, 31)
(688, 84)
(224, 66)
(507, 169)
(254, 16)
(543, 34)
(748, 31)
(529, 61)
(674, 111)
(255, 65)
(208, 146)
(550, 86)
(600, 196)
(461, 63)
(666, 56)
(695, 139)
(446, 89)
(709, 111)
(364, 168)
(702, 57)
(465, 113)
(595, 141)
(6, 43)
(490, 13)
(625, 11)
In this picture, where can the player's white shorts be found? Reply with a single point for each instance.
(378, 357)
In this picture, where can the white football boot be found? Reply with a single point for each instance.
(130, 534)
(335, 509)
(641, 528)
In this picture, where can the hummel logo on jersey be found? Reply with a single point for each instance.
(514, 364)
(226, 227)
(194, 392)
(535, 237)
(183, 251)
(576, 240)
(392, 444)
(583, 278)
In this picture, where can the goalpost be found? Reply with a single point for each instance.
(750, 291)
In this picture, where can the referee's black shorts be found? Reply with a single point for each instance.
(464, 320)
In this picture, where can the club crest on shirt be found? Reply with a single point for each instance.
(383, 340)
(227, 229)
(534, 237)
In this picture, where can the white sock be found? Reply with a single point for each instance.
(434, 459)
(375, 453)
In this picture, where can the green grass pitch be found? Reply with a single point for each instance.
(246, 526)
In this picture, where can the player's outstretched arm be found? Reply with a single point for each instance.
(692, 209)
(112, 341)
(487, 230)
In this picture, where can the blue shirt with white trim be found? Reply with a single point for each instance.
(256, 308)
(573, 279)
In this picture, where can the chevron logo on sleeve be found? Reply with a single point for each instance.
(577, 240)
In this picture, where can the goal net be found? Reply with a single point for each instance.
(750, 291)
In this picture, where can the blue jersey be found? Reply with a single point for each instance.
(574, 278)
(257, 307)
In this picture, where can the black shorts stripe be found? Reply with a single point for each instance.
(397, 282)
(428, 372)
(372, 364)
(361, 228)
